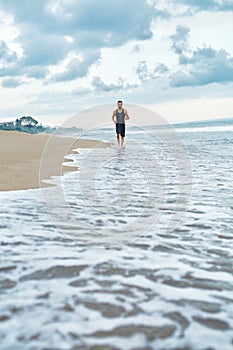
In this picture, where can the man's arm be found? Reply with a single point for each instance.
(126, 115)
(113, 117)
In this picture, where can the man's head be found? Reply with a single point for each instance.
(119, 103)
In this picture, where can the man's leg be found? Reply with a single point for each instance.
(118, 134)
(122, 134)
(118, 139)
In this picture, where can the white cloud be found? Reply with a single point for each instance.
(45, 26)
(6, 55)
(78, 67)
(99, 85)
(180, 40)
(209, 5)
(11, 83)
(87, 52)
(201, 66)
(145, 74)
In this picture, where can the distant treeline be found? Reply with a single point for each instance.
(32, 126)
(24, 124)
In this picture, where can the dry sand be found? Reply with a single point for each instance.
(21, 154)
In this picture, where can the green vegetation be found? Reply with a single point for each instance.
(26, 124)
(32, 126)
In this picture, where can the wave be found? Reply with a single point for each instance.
(206, 129)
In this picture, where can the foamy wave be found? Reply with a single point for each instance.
(206, 129)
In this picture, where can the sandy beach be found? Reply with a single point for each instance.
(21, 154)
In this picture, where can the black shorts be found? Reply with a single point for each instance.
(120, 129)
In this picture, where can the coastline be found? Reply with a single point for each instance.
(21, 154)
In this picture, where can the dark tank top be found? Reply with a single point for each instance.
(120, 117)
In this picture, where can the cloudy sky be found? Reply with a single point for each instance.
(58, 57)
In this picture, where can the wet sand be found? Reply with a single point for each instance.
(26, 159)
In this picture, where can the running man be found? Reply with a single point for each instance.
(119, 116)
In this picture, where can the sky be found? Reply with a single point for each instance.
(59, 57)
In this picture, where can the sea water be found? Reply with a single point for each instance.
(133, 251)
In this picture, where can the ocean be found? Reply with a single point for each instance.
(133, 251)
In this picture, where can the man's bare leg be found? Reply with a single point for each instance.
(118, 139)
(122, 141)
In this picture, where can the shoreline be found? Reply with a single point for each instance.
(21, 155)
